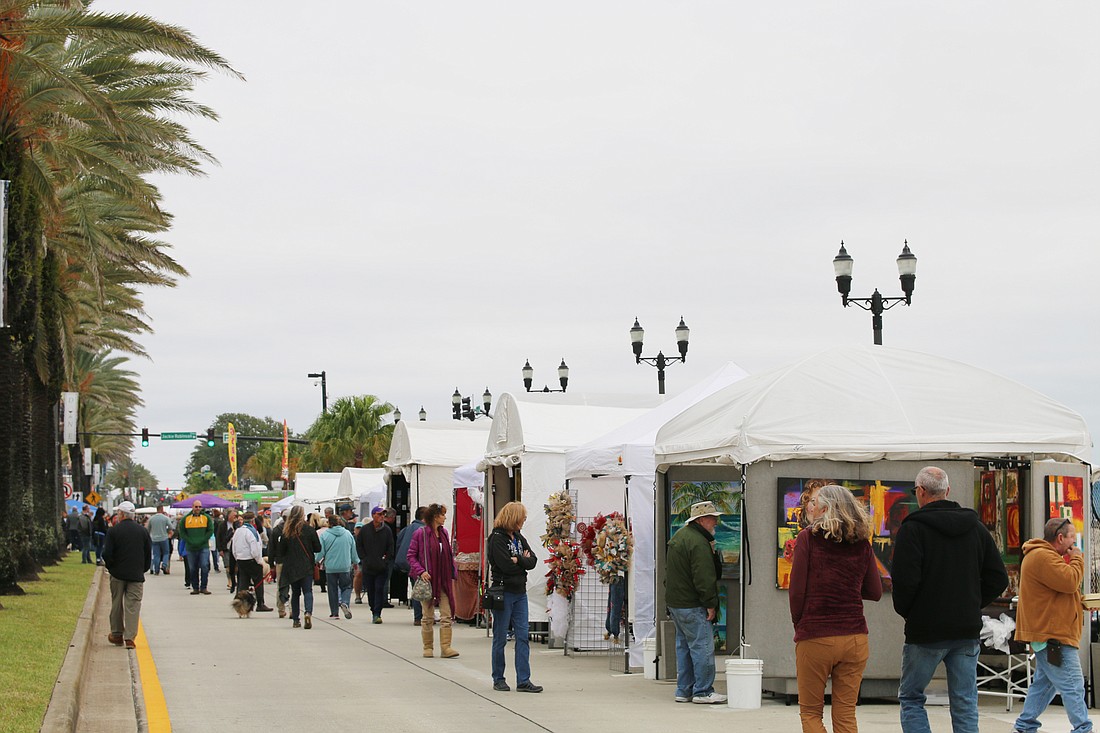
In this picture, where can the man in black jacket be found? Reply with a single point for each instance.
(374, 544)
(128, 553)
(946, 569)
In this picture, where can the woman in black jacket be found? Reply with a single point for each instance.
(297, 546)
(99, 534)
(510, 558)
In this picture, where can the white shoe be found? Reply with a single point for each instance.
(681, 698)
(711, 699)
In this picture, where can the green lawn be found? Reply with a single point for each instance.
(35, 631)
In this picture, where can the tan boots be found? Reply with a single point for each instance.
(445, 649)
(427, 636)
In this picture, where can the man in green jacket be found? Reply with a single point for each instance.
(691, 595)
(196, 529)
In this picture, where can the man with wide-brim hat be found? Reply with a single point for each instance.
(691, 595)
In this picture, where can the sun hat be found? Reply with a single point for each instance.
(703, 509)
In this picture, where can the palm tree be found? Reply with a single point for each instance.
(351, 433)
(685, 494)
(86, 101)
(266, 464)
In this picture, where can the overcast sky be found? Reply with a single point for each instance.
(416, 197)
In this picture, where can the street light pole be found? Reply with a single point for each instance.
(324, 389)
(637, 334)
(877, 304)
(529, 377)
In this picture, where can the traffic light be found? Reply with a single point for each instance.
(145, 437)
(466, 411)
(210, 438)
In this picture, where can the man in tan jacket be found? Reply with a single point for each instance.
(1049, 616)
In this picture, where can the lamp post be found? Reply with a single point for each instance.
(461, 407)
(529, 377)
(396, 415)
(423, 414)
(324, 389)
(637, 334)
(877, 304)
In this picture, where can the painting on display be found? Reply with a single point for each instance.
(888, 502)
(998, 502)
(1065, 497)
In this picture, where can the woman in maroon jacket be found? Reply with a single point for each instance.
(431, 559)
(832, 571)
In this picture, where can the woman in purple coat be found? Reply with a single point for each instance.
(432, 560)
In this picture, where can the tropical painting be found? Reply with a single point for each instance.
(889, 503)
(726, 496)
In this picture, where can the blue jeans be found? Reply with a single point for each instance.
(303, 587)
(85, 548)
(918, 664)
(98, 539)
(1067, 681)
(198, 568)
(161, 555)
(339, 591)
(616, 595)
(418, 609)
(513, 614)
(694, 652)
(214, 560)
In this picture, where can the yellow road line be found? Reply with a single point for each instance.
(156, 709)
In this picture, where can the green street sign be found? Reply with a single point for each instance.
(177, 436)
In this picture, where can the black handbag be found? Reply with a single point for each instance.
(493, 600)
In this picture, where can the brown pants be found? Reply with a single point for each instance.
(816, 660)
(125, 607)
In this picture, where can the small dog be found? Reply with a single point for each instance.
(244, 602)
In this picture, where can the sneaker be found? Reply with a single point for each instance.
(682, 698)
(296, 625)
(309, 621)
(712, 699)
(346, 610)
(359, 601)
(335, 616)
(501, 686)
(166, 570)
(532, 687)
(416, 622)
(205, 592)
(115, 639)
(194, 592)
(376, 620)
(130, 644)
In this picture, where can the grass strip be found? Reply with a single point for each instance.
(35, 632)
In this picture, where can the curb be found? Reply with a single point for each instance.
(63, 712)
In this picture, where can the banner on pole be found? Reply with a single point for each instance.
(232, 456)
(87, 461)
(286, 453)
(70, 401)
(95, 476)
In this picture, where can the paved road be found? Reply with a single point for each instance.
(244, 675)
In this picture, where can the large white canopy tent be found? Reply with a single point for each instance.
(530, 434)
(862, 412)
(427, 454)
(365, 487)
(316, 487)
(621, 464)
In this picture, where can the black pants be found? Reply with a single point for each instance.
(249, 574)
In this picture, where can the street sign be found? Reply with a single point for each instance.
(177, 436)
(68, 489)
(78, 496)
(92, 498)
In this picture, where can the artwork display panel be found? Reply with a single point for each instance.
(1065, 496)
(726, 496)
(997, 496)
(888, 503)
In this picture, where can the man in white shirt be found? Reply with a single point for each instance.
(248, 551)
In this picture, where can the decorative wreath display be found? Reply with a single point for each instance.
(607, 544)
(566, 568)
(559, 518)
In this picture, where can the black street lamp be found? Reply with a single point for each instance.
(877, 304)
(423, 414)
(462, 409)
(637, 333)
(324, 389)
(529, 377)
(396, 415)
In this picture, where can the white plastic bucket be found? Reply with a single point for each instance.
(744, 681)
(649, 657)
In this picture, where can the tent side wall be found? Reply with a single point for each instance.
(430, 485)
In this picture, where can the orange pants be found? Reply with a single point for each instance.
(816, 660)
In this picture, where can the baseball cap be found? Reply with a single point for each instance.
(377, 510)
(126, 506)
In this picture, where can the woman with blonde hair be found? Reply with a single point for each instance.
(510, 558)
(297, 550)
(833, 570)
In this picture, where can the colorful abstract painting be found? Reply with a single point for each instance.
(997, 496)
(888, 502)
(1065, 497)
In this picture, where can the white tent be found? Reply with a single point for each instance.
(867, 403)
(622, 462)
(364, 486)
(316, 487)
(427, 454)
(531, 433)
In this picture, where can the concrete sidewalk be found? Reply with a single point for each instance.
(248, 674)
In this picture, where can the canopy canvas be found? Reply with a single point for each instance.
(533, 431)
(427, 454)
(868, 403)
(209, 501)
(616, 470)
(316, 487)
